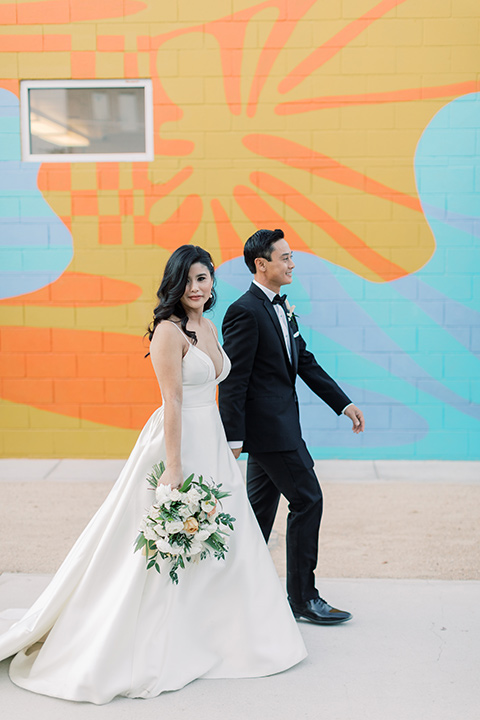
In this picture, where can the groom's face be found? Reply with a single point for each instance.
(278, 270)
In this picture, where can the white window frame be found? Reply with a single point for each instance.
(27, 156)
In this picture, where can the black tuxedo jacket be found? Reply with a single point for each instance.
(258, 401)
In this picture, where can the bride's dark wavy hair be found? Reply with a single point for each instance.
(174, 282)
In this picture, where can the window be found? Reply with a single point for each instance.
(86, 120)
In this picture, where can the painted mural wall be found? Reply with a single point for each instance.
(352, 124)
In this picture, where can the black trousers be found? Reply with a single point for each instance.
(291, 474)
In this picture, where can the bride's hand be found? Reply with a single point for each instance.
(172, 477)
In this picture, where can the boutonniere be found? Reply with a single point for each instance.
(292, 318)
(290, 314)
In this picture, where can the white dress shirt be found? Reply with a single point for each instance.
(279, 309)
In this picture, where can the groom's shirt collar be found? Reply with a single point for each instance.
(269, 293)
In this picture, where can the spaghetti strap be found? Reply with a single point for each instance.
(175, 325)
(213, 331)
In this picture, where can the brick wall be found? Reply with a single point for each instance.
(353, 125)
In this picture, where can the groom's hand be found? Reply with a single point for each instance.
(356, 416)
(236, 452)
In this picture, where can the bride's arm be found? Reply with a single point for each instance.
(167, 350)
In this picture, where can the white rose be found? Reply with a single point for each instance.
(162, 493)
(163, 545)
(174, 526)
(193, 495)
(211, 528)
(203, 535)
(184, 511)
(150, 533)
(210, 507)
(195, 548)
(175, 495)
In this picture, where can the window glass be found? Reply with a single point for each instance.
(100, 122)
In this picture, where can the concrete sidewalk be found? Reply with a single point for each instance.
(411, 652)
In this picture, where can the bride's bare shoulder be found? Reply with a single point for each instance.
(168, 333)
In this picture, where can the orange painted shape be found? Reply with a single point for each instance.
(11, 84)
(345, 238)
(231, 245)
(110, 230)
(57, 43)
(85, 204)
(130, 65)
(326, 51)
(21, 390)
(108, 176)
(95, 390)
(180, 226)
(46, 365)
(51, 11)
(406, 95)
(83, 65)
(21, 43)
(143, 232)
(15, 339)
(12, 364)
(66, 11)
(123, 390)
(143, 43)
(78, 390)
(139, 414)
(79, 290)
(103, 414)
(304, 158)
(54, 177)
(98, 365)
(8, 14)
(110, 43)
(264, 216)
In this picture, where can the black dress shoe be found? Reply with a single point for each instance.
(319, 612)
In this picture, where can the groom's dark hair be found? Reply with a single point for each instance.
(259, 245)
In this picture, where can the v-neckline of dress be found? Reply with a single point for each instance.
(191, 345)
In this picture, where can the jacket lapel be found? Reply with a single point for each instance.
(293, 346)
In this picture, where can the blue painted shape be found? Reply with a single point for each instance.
(35, 246)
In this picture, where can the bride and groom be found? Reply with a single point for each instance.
(105, 626)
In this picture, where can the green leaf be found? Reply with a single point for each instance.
(140, 542)
(186, 485)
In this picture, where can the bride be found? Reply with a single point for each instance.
(107, 626)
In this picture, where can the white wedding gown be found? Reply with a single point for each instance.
(105, 626)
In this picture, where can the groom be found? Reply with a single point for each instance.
(259, 408)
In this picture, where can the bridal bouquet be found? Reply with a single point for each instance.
(184, 524)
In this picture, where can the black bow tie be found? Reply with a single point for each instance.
(279, 300)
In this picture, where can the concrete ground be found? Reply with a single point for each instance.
(404, 537)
